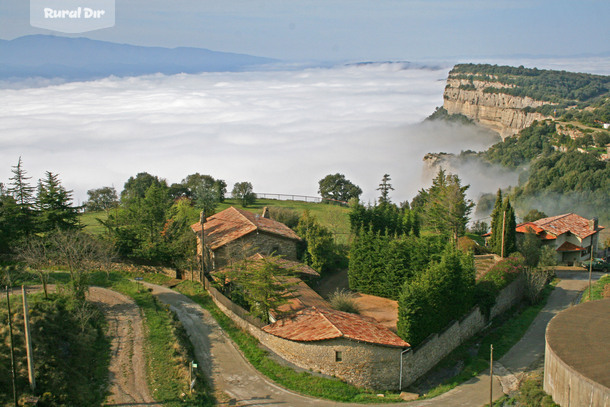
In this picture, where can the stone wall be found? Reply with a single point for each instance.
(255, 242)
(423, 358)
(376, 366)
(510, 296)
(361, 364)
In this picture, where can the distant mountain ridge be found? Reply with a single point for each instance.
(82, 59)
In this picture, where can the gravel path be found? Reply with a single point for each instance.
(127, 370)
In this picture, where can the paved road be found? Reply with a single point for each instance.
(229, 371)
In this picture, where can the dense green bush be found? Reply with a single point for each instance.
(442, 293)
(379, 264)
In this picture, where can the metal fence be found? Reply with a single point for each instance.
(292, 197)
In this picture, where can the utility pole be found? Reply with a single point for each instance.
(503, 227)
(491, 376)
(201, 222)
(28, 340)
(10, 330)
(591, 257)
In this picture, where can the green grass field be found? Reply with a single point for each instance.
(334, 217)
(90, 222)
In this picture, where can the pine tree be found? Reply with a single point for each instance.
(385, 187)
(54, 204)
(446, 207)
(503, 215)
(23, 194)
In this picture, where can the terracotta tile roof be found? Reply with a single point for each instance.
(540, 232)
(297, 267)
(569, 247)
(318, 324)
(300, 268)
(558, 225)
(304, 297)
(233, 223)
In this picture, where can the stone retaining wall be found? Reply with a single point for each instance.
(376, 366)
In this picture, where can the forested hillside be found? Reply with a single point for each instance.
(561, 154)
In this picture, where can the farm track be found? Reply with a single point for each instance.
(127, 369)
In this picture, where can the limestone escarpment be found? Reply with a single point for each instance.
(499, 112)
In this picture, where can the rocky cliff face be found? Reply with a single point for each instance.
(499, 112)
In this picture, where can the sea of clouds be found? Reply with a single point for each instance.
(282, 130)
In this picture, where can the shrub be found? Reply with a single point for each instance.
(499, 276)
(505, 271)
(345, 301)
(286, 216)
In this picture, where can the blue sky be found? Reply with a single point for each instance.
(353, 30)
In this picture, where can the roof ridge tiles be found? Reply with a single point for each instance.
(321, 312)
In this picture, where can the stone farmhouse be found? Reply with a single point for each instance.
(306, 331)
(572, 236)
(236, 234)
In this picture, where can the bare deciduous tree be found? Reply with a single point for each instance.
(36, 255)
(76, 250)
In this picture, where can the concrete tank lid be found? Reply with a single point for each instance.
(580, 337)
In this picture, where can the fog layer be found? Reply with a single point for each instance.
(280, 130)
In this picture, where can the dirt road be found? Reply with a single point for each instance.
(127, 370)
(231, 373)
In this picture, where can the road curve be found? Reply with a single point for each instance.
(230, 372)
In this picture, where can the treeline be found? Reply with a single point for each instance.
(26, 210)
(539, 84)
(409, 254)
(380, 264)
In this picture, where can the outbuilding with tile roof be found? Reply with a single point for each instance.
(572, 236)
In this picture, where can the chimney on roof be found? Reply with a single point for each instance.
(593, 224)
(266, 212)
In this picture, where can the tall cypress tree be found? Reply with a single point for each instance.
(495, 240)
(510, 233)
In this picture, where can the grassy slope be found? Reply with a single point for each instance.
(333, 217)
(597, 289)
(71, 364)
(90, 222)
